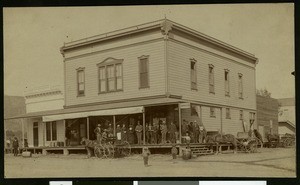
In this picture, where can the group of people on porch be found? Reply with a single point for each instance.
(159, 132)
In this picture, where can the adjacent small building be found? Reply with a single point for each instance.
(267, 115)
(287, 116)
(43, 99)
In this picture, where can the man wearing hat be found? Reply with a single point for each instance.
(196, 131)
(202, 134)
(110, 131)
(15, 146)
(164, 131)
(139, 130)
(97, 132)
(173, 130)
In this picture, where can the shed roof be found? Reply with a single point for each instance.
(286, 101)
(147, 102)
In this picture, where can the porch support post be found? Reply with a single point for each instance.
(144, 127)
(87, 128)
(23, 133)
(179, 122)
(221, 120)
(44, 132)
(64, 121)
(114, 121)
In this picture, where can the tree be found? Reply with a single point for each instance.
(263, 92)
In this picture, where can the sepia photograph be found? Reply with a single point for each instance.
(203, 90)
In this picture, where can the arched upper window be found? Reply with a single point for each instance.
(110, 75)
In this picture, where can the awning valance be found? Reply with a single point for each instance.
(109, 112)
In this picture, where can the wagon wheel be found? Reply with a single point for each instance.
(98, 150)
(292, 142)
(252, 145)
(260, 144)
(106, 151)
(111, 149)
(126, 149)
(243, 145)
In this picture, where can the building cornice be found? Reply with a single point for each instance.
(166, 26)
(43, 93)
(110, 35)
(214, 41)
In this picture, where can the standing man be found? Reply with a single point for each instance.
(110, 131)
(124, 133)
(68, 135)
(150, 131)
(173, 130)
(15, 146)
(191, 132)
(139, 130)
(202, 134)
(196, 131)
(164, 131)
(147, 134)
(97, 132)
(155, 132)
(184, 128)
(119, 133)
(131, 134)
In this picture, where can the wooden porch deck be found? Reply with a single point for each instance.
(66, 150)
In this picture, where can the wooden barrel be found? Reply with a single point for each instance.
(186, 154)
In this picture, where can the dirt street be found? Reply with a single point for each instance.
(269, 162)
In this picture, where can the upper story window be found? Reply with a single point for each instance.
(51, 131)
(110, 75)
(228, 113)
(226, 82)
(193, 74)
(211, 78)
(240, 85)
(212, 112)
(144, 71)
(80, 81)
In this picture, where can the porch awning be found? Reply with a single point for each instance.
(109, 112)
(115, 108)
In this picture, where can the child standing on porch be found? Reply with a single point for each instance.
(146, 154)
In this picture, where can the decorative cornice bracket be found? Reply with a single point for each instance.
(166, 27)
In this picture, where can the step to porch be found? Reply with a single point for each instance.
(201, 150)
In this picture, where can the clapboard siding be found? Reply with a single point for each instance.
(186, 115)
(179, 56)
(130, 55)
(210, 48)
(234, 124)
(211, 123)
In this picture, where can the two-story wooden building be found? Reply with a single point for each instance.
(156, 71)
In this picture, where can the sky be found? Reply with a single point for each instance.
(33, 37)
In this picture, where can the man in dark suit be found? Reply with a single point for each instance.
(15, 146)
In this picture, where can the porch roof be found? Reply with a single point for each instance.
(96, 108)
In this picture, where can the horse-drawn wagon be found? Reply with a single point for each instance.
(107, 148)
(248, 143)
(286, 140)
